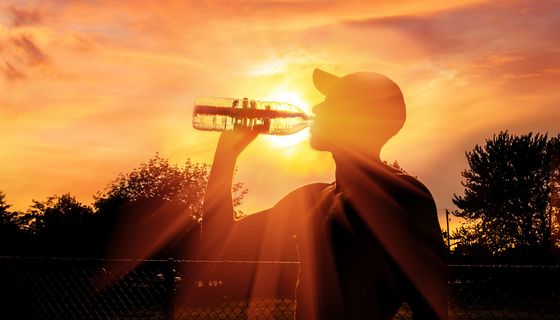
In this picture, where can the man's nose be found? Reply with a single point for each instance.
(317, 108)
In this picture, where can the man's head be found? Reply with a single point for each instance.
(361, 112)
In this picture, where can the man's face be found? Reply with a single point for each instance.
(324, 122)
(339, 124)
(350, 124)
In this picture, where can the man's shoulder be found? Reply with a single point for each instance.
(305, 195)
(414, 193)
(405, 185)
(315, 187)
(311, 190)
(412, 183)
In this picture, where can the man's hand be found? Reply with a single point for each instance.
(236, 141)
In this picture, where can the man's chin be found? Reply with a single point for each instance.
(317, 144)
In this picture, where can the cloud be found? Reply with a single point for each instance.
(495, 25)
(24, 17)
(11, 73)
(511, 44)
(21, 55)
(31, 53)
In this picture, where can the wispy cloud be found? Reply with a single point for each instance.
(11, 73)
(24, 17)
(27, 51)
(510, 38)
(19, 50)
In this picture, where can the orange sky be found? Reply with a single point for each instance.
(91, 89)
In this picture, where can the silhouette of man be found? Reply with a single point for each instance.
(368, 241)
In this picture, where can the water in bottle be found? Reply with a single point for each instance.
(268, 117)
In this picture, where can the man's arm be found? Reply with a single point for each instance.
(425, 229)
(221, 229)
(217, 208)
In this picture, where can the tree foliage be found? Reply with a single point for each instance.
(14, 239)
(4, 206)
(62, 226)
(158, 180)
(555, 195)
(7, 218)
(58, 214)
(507, 197)
(156, 192)
(9, 229)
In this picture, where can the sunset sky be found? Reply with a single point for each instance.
(91, 89)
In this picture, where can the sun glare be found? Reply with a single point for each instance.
(295, 99)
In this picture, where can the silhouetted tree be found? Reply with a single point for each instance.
(507, 198)
(155, 180)
(9, 230)
(156, 201)
(555, 195)
(4, 206)
(14, 240)
(62, 226)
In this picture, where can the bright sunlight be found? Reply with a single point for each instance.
(295, 99)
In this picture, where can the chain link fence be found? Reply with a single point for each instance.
(55, 288)
(504, 292)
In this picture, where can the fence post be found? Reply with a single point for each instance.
(169, 283)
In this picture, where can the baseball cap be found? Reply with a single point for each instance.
(363, 89)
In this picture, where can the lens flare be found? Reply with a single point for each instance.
(296, 139)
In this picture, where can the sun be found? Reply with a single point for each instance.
(295, 99)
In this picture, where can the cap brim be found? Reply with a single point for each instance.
(324, 81)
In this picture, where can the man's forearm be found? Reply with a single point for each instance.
(218, 215)
(217, 207)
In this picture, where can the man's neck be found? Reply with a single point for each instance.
(348, 162)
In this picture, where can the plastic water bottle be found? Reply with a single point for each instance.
(268, 117)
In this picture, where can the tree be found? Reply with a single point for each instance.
(555, 195)
(8, 226)
(4, 206)
(14, 239)
(507, 198)
(155, 209)
(62, 226)
(158, 180)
